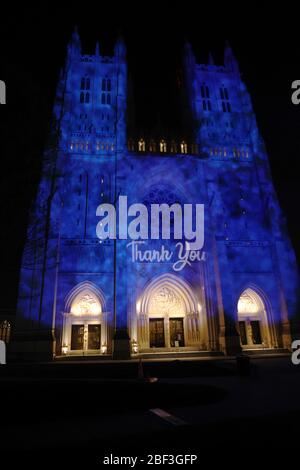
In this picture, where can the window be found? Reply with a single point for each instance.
(183, 147)
(142, 145)
(131, 146)
(163, 146)
(205, 97)
(173, 147)
(152, 146)
(85, 84)
(226, 106)
(106, 91)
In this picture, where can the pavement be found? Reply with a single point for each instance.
(89, 411)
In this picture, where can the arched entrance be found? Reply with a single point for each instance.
(254, 324)
(168, 316)
(85, 322)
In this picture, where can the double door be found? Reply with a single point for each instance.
(85, 337)
(250, 332)
(157, 332)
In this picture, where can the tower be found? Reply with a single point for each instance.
(88, 136)
(252, 247)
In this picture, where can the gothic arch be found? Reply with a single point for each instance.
(169, 299)
(85, 329)
(176, 284)
(254, 307)
(85, 286)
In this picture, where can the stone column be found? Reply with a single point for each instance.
(143, 331)
(229, 337)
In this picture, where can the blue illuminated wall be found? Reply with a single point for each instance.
(86, 162)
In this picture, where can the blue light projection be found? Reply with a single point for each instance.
(66, 272)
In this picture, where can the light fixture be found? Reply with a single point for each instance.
(135, 347)
(103, 348)
(65, 349)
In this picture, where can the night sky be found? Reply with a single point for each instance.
(33, 41)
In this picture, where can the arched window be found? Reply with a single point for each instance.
(163, 146)
(87, 97)
(81, 97)
(142, 145)
(106, 91)
(5, 330)
(205, 96)
(226, 106)
(131, 145)
(183, 147)
(85, 83)
(152, 146)
(173, 147)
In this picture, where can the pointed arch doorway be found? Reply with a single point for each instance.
(85, 321)
(168, 316)
(255, 325)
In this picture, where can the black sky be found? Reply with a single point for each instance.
(33, 39)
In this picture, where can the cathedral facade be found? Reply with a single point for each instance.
(82, 295)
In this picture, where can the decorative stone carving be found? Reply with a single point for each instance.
(86, 305)
(166, 301)
(248, 304)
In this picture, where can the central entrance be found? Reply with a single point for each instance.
(168, 317)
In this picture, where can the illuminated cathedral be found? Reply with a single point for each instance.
(81, 296)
